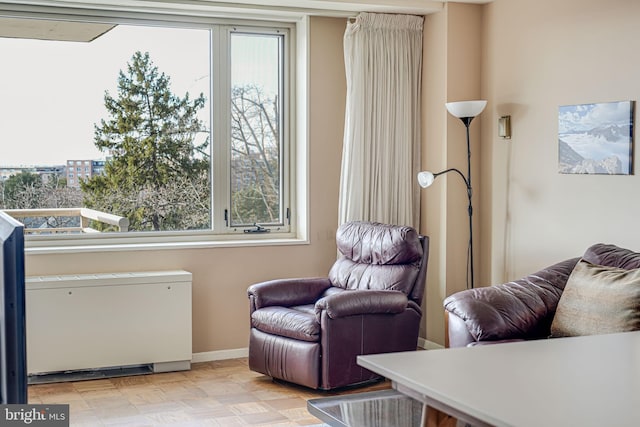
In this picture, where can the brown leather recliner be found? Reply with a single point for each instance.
(309, 331)
(523, 309)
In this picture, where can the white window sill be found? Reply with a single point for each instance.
(152, 244)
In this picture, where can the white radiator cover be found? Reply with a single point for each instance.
(92, 321)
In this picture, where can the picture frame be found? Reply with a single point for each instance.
(596, 138)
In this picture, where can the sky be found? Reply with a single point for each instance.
(52, 93)
(584, 117)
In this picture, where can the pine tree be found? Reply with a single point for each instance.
(150, 138)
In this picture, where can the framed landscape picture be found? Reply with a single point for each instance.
(596, 138)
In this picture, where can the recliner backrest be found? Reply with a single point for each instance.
(378, 257)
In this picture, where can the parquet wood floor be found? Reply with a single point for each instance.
(220, 393)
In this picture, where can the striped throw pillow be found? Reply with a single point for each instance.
(598, 300)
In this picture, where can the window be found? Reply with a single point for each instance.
(182, 125)
(256, 136)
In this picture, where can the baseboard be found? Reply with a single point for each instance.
(209, 356)
(428, 345)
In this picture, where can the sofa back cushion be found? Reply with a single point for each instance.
(612, 256)
(377, 256)
(599, 299)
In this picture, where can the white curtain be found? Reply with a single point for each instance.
(381, 151)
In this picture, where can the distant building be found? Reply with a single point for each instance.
(49, 172)
(98, 167)
(6, 172)
(78, 170)
(73, 170)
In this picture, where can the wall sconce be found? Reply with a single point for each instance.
(504, 127)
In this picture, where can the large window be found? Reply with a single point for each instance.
(134, 125)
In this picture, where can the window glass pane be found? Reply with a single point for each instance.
(256, 137)
(122, 120)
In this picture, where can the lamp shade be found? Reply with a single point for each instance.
(425, 179)
(464, 109)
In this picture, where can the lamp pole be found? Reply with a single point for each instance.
(467, 183)
(467, 122)
(465, 111)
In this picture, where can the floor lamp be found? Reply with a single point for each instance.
(465, 111)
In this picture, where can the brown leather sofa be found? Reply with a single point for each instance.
(523, 309)
(309, 331)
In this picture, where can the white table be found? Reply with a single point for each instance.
(589, 381)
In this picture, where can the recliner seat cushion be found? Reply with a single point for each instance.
(292, 322)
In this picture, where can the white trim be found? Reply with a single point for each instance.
(275, 8)
(210, 356)
(300, 128)
(172, 245)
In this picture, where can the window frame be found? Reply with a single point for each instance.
(219, 234)
(221, 37)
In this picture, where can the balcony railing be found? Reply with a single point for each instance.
(80, 216)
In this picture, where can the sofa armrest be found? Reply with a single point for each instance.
(522, 309)
(354, 302)
(287, 292)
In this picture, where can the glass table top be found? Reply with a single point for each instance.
(386, 408)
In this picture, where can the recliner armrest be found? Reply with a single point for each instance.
(287, 292)
(522, 309)
(353, 302)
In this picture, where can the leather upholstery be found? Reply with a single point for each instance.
(349, 303)
(612, 256)
(285, 358)
(309, 331)
(376, 256)
(287, 322)
(523, 309)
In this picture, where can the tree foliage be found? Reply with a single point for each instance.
(18, 191)
(255, 156)
(28, 190)
(155, 175)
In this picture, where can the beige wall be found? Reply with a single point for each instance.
(537, 56)
(433, 200)
(526, 58)
(221, 276)
(452, 48)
